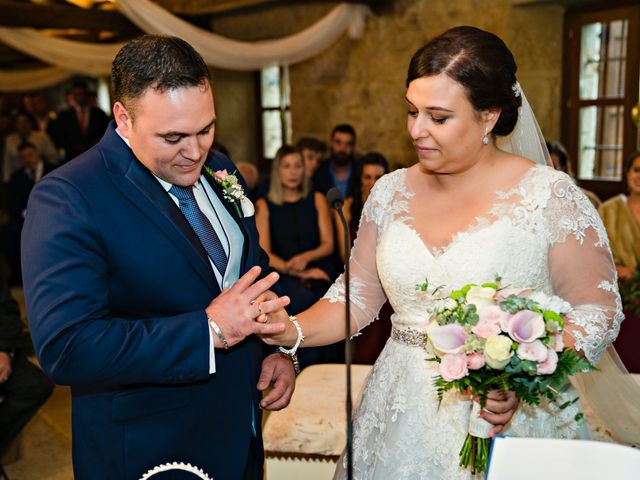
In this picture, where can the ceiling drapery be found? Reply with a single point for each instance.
(95, 59)
(32, 79)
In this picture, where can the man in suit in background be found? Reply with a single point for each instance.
(141, 282)
(79, 127)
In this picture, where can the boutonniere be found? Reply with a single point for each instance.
(232, 191)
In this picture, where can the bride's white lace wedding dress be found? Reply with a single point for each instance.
(544, 234)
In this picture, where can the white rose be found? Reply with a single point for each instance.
(497, 351)
(481, 296)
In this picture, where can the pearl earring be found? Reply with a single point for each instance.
(485, 139)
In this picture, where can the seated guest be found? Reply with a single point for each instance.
(373, 166)
(621, 218)
(25, 132)
(560, 159)
(312, 151)
(23, 386)
(296, 231)
(337, 170)
(32, 169)
(43, 116)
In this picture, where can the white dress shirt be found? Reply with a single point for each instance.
(227, 230)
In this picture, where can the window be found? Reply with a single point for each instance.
(276, 114)
(601, 87)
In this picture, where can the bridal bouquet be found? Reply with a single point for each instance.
(486, 337)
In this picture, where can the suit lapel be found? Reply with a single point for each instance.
(147, 194)
(211, 162)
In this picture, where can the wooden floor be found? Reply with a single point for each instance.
(45, 444)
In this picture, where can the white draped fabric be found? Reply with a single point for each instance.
(90, 58)
(32, 79)
(218, 51)
(234, 55)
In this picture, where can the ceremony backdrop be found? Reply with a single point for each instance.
(346, 65)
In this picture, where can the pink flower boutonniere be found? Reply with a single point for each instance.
(232, 191)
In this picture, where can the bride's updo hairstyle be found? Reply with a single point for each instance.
(481, 63)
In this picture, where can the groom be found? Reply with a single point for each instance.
(142, 284)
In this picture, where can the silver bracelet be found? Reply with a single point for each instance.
(299, 340)
(218, 332)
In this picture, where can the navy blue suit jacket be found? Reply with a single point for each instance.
(116, 283)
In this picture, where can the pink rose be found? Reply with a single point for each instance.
(453, 366)
(486, 328)
(447, 338)
(549, 365)
(534, 351)
(488, 325)
(557, 342)
(525, 326)
(475, 361)
(221, 174)
(507, 292)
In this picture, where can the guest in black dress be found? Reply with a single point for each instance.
(296, 231)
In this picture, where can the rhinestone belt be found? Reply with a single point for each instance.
(410, 336)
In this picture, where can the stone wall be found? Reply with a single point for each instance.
(235, 96)
(362, 81)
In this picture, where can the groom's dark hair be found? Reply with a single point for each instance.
(480, 62)
(156, 61)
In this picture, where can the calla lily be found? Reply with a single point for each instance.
(518, 292)
(526, 326)
(447, 338)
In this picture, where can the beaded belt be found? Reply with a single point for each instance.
(410, 336)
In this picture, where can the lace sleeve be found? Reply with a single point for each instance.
(582, 269)
(367, 295)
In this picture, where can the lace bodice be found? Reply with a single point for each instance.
(543, 233)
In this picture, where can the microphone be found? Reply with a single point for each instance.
(336, 201)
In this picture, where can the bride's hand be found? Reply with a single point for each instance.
(499, 409)
(281, 338)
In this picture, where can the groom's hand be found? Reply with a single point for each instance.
(277, 370)
(499, 409)
(234, 311)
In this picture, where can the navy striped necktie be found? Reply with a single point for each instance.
(202, 226)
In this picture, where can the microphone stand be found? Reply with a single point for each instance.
(335, 200)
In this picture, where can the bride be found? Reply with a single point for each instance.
(467, 211)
